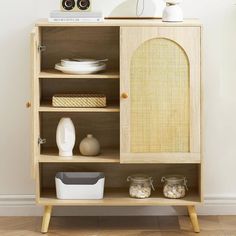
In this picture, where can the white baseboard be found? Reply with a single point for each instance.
(24, 205)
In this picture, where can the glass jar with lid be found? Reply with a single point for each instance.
(175, 186)
(140, 186)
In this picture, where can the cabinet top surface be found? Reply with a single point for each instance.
(122, 22)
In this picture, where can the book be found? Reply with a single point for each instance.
(61, 16)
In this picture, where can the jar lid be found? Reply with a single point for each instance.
(173, 178)
(139, 178)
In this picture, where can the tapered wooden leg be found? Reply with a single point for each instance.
(193, 217)
(46, 218)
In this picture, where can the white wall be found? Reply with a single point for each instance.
(219, 20)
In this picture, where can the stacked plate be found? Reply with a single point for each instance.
(79, 66)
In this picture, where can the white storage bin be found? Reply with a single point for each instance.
(80, 185)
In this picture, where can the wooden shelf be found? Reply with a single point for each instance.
(160, 158)
(120, 197)
(55, 74)
(107, 156)
(47, 107)
(50, 155)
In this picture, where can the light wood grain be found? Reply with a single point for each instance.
(33, 128)
(106, 156)
(113, 155)
(35, 67)
(119, 226)
(189, 40)
(120, 197)
(203, 125)
(47, 107)
(193, 218)
(46, 218)
(123, 22)
(164, 157)
(103, 40)
(54, 74)
(38, 180)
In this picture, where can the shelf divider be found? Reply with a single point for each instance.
(46, 106)
(50, 155)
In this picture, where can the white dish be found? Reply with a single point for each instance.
(81, 67)
(80, 70)
(81, 62)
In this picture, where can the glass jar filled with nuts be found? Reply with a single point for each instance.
(140, 186)
(175, 186)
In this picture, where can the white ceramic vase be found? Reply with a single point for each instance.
(172, 11)
(89, 146)
(65, 137)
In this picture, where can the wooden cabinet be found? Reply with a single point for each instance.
(153, 117)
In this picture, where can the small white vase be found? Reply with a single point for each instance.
(65, 137)
(89, 146)
(172, 11)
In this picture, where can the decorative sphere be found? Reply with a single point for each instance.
(89, 146)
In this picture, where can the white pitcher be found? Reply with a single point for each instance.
(172, 11)
(65, 137)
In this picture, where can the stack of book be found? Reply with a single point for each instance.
(60, 16)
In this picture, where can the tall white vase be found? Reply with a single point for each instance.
(65, 137)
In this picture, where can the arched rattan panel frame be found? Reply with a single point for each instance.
(160, 97)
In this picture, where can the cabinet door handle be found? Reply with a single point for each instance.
(28, 104)
(125, 95)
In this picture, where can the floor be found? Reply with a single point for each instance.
(122, 226)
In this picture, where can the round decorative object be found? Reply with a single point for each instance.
(124, 95)
(83, 4)
(68, 4)
(65, 137)
(89, 146)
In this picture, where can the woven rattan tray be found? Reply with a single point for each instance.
(79, 100)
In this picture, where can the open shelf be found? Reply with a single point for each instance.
(120, 197)
(107, 156)
(55, 74)
(47, 107)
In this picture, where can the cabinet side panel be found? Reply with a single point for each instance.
(34, 94)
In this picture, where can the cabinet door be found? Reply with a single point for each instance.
(35, 64)
(160, 95)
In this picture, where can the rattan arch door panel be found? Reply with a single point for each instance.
(159, 94)
(160, 118)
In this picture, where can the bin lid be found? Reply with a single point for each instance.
(80, 178)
